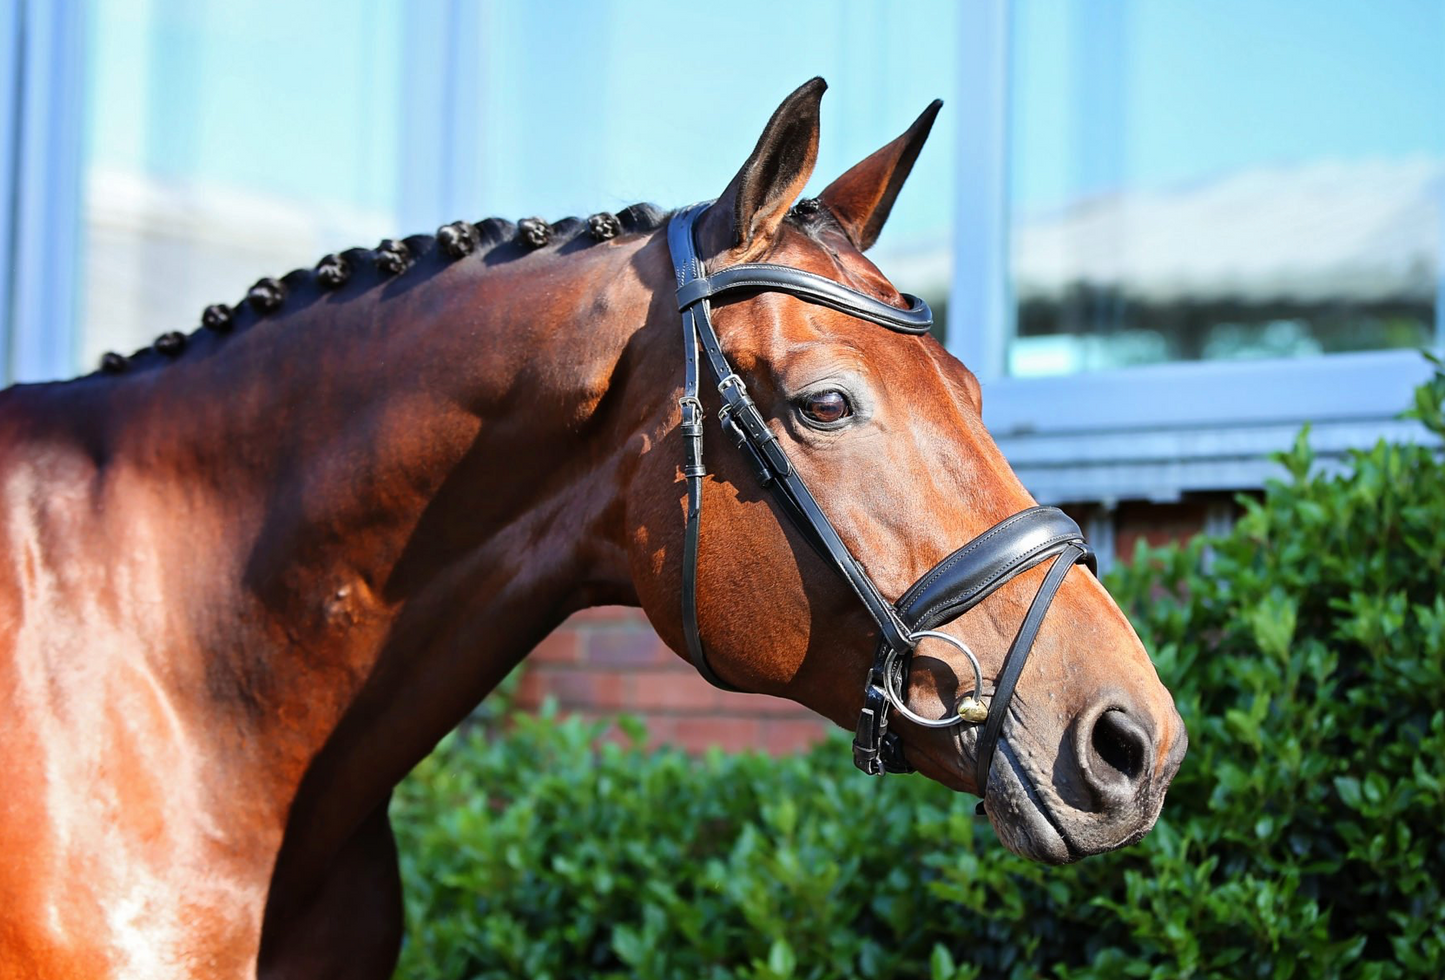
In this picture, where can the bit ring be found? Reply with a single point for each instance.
(970, 710)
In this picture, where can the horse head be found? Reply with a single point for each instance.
(885, 426)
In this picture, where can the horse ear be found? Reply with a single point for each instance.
(758, 198)
(862, 197)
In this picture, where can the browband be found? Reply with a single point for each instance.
(918, 318)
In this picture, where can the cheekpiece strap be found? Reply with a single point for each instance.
(740, 418)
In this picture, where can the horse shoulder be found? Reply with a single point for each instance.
(113, 861)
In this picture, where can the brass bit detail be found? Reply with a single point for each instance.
(973, 710)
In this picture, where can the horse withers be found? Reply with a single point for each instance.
(256, 572)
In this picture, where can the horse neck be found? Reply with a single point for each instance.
(406, 488)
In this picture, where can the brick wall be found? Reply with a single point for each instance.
(608, 660)
(602, 662)
(1157, 524)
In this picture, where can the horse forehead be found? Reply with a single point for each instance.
(799, 340)
(839, 261)
(830, 254)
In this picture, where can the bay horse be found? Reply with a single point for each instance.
(253, 574)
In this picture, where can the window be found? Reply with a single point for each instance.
(223, 144)
(1201, 225)
(1222, 181)
(1167, 234)
(653, 100)
(176, 150)
(41, 54)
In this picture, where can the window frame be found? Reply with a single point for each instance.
(1150, 432)
(42, 73)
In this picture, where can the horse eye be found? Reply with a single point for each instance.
(827, 407)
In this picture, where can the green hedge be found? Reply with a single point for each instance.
(1304, 836)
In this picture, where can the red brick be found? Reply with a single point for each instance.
(661, 730)
(531, 690)
(610, 691)
(728, 733)
(624, 647)
(1158, 524)
(609, 615)
(742, 703)
(668, 691)
(784, 736)
(598, 690)
(562, 646)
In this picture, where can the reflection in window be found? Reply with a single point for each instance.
(225, 144)
(1223, 181)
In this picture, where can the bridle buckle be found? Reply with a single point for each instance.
(876, 750)
(727, 418)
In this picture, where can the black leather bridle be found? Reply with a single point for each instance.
(951, 588)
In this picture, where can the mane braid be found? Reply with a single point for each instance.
(492, 239)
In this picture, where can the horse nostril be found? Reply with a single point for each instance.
(1119, 744)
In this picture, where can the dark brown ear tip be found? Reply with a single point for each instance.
(926, 117)
(807, 98)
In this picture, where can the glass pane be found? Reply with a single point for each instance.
(225, 143)
(1223, 180)
(574, 134)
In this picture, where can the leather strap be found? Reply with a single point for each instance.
(951, 588)
(693, 471)
(918, 318)
(876, 750)
(750, 432)
(1013, 664)
(972, 573)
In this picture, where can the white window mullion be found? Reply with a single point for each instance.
(441, 149)
(43, 140)
(11, 65)
(979, 310)
(1440, 268)
(1100, 529)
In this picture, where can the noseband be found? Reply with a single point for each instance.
(951, 588)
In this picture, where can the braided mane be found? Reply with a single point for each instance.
(492, 239)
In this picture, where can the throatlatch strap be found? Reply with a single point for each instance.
(693, 472)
